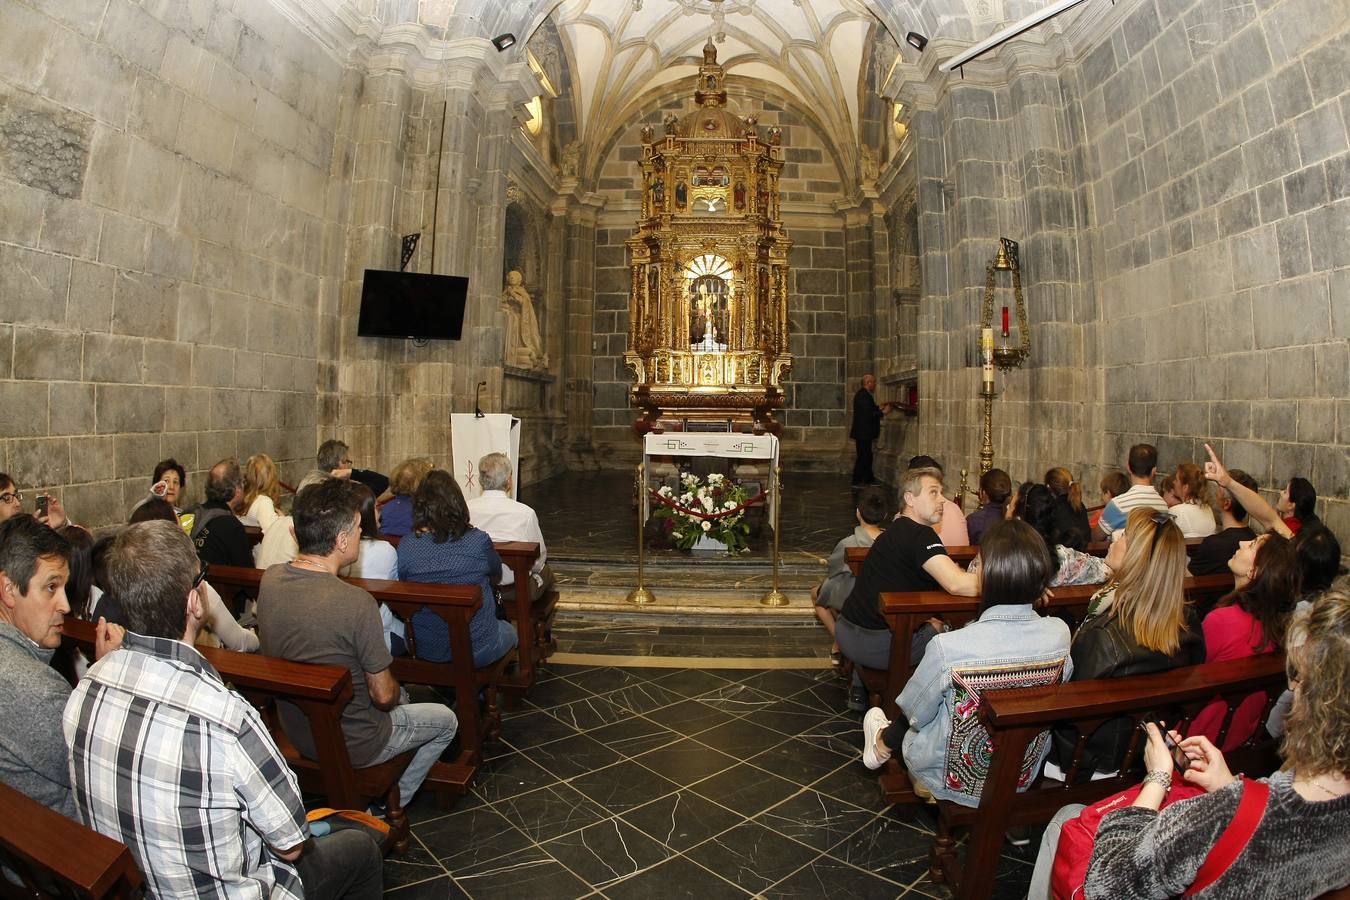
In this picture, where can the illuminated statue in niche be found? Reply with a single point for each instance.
(524, 347)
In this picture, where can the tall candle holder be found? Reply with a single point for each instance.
(1000, 355)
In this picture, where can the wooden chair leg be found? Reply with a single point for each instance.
(399, 828)
(943, 846)
(493, 712)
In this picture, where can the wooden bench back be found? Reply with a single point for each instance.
(906, 611)
(58, 857)
(1015, 718)
(453, 604)
(963, 555)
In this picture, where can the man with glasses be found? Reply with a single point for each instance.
(334, 460)
(307, 614)
(165, 758)
(49, 512)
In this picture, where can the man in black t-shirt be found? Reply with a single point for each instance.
(1211, 557)
(908, 556)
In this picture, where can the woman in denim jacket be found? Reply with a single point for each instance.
(1009, 645)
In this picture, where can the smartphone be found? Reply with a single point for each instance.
(41, 504)
(1179, 757)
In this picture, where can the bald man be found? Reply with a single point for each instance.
(866, 429)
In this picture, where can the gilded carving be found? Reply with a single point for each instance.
(708, 324)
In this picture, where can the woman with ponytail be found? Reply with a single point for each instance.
(1071, 517)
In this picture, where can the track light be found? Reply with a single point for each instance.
(503, 41)
(916, 40)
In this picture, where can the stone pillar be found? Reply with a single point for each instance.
(579, 211)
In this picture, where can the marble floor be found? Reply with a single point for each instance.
(621, 781)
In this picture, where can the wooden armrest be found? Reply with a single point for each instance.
(83, 859)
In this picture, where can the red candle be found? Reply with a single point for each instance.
(1005, 321)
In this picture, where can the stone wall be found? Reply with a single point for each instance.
(1221, 200)
(165, 239)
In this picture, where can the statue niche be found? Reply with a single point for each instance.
(708, 323)
(524, 346)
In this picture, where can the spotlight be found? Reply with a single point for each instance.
(503, 41)
(916, 40)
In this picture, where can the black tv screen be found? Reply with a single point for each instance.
(412, 305)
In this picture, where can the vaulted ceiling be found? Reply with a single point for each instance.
(813, 50)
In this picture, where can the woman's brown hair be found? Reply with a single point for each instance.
(439, 507)
(408, 474)
(1317, 730)
(1060, 481)
(1193, 477)
(1270, 596)
(1149, 600)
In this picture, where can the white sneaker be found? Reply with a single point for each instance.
(873, 724)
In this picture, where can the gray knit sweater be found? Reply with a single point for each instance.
(1300, 849)
(33, 756)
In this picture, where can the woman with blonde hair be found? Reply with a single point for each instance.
(262, 491)
(1071, 516)
(1138, 623)
(396, 515)
(1292, 850)
(1193, 513)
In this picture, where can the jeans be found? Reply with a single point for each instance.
(429, 727)
(491, 651)
(1045, 859)
(344, 864)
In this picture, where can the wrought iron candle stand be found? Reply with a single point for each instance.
(1003, 356)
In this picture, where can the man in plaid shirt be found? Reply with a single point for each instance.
(168, 760)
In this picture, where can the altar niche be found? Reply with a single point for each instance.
(708, 324)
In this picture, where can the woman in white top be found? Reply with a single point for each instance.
(378, 559)
(1194, 516)
(262, 489)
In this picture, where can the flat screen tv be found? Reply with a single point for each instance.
(412, 305)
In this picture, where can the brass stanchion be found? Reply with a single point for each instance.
(776, 597)
(640, 596)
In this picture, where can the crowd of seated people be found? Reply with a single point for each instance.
(145, 584)
(1138, 622)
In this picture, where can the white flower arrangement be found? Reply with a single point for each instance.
(714, 495)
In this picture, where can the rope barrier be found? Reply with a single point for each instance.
(757, 500)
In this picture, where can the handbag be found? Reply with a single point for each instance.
(1079, 835)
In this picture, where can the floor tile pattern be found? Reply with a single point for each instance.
(613, 782)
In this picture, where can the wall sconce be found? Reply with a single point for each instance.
(916, 40)
(503, 41)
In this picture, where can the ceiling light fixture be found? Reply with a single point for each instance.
(503, 41)
(916, 40)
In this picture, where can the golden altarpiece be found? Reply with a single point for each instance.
(708, 321)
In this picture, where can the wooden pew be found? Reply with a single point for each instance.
(455, 605)
(320, 692)
(1014, 718)
(534, 622)
(58, 857)
(963, 555)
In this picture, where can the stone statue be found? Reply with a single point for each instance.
(571, 161)
(869, 166)
(524, 347)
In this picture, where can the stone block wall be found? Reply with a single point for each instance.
(1220, 189)
(165, 239)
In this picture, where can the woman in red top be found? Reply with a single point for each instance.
(1248, 622)
(1297, 504)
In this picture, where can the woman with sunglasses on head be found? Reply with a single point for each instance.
(1138, 623)
(1298, 847)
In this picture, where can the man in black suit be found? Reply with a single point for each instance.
(866, 429)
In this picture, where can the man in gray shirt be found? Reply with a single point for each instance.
(34, 566)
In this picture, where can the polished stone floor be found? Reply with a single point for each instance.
(634, 782)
